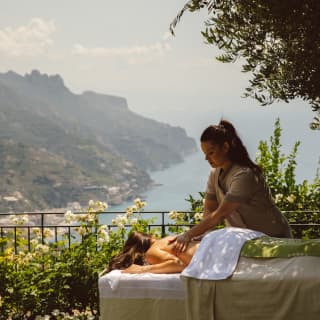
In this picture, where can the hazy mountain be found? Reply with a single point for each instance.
(57, 146)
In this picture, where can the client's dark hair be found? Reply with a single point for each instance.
(225, 132)
(133, 251)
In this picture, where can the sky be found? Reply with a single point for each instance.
(117, 47)
(124, 48)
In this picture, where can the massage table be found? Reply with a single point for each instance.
(272, 288)
(141, 296)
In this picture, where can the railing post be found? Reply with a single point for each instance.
(56, 234)
(163, 228)
(15, 240)
(69, 237)
(2, 245)
(42, 225)
(29, 236)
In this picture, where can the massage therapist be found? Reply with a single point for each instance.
(236, 191)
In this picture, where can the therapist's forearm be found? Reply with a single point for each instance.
(213, 219)
(209, 206)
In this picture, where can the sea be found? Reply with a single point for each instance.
(173, 186)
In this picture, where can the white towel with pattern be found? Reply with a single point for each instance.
(217, 255)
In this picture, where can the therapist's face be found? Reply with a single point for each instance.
(216, 155)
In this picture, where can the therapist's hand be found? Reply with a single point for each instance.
(180, 242)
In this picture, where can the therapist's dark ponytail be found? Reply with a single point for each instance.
(133, 252)
(225, 132)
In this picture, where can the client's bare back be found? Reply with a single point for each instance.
(185, 256)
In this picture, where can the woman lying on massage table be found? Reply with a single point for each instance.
(143, 253)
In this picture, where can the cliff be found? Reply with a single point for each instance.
(59, 147)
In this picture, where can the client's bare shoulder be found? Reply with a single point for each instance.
(165, 245)
(160, 251)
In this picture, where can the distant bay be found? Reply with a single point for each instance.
(175, 185)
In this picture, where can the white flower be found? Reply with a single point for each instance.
(121, 219)
(21, 254)
(55, 312)
(24, 219)
(104, 205)
(69, 216)
(181, 215)
(279, 197)
(103, 232)
(28, 257)
(139, 204)
(120, 225)
(129, 211)
(42, 248)
(76, 312)
(100, 241)
(104, 238)
(48, 233)
(19, 219)
(102, 228)
(198, 216)
(91, 217)
(81, 217)
(291, 198)
(36, 231)
(173, 214)
(81, 230)
(13, 219)
(132, 208)
(34, 242)
(91, 203)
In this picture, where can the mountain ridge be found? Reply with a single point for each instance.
(39, 112)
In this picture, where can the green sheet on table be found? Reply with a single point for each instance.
(269, 247)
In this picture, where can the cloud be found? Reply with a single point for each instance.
(131, 53)
(32, 39)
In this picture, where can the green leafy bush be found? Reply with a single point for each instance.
(55, 281)
(299, 201)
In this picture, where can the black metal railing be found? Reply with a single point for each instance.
(40, 222)
(60, 230)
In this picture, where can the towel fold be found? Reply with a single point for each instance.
(113, 279)
(217, 255)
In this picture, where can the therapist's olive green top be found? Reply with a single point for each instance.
(257, 209)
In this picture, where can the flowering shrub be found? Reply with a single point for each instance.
(53, 281)
(182, 221)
